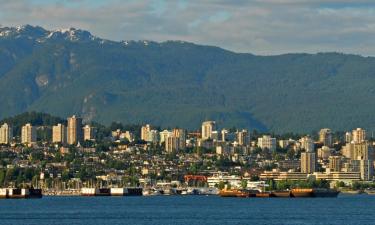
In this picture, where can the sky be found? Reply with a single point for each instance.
(263, 27)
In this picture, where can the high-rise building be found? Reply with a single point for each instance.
(181, 135)
(243, 138)
(74, 130)
(224, 134)
(6, 134)
(153, 136)
(172, 144)
(324, 153)
(348, 137)
(164, 134)
(358, 151)
(366, 169)
(335, 163)
(307, 143)
(267, 142)
(89, 133)
(308, 162)
(359, 135)
(59, 133)
(207, 128)
(28, 134)
(325, 137)
(144, 132)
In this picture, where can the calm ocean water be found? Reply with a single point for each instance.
(344, 210)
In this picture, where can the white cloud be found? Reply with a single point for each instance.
(258, 26)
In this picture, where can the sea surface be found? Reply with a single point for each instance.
(170, 210)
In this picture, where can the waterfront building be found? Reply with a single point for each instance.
(89, 133)
(243, 138)
(6, 134)
(359, 135)
(346, 177)
(59, 133)
(74, 133)
(277, 175)
(233, 180)
(28, 134)
(207, 128)
(325, 137)
(144, 132)
(308, 162)
(267, 142)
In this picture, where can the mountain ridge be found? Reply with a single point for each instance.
(176, 83)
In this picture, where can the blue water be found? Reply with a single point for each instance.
(344, 210)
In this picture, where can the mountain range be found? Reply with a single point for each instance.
(176, 83)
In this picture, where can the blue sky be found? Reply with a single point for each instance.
(257, 26)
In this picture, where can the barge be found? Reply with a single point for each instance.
(19, 193)
(129, 191)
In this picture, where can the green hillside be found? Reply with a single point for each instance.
(180, 84)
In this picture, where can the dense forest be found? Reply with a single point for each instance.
(181, 84)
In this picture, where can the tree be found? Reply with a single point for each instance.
(244, 184)
(221, 185)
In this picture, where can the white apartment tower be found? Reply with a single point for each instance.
(74, 130)
(59, 133)
(6, 134)
(207, 128)
(28, 134)
(267, 142)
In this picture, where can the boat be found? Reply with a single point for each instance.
(370, 191)
(281, 194)
(302, 192)
(325, 193)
